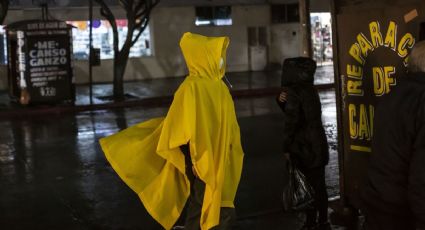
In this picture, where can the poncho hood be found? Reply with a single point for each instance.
(205, 56)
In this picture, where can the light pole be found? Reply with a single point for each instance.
(91, 50)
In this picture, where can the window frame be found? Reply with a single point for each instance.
(212, 17)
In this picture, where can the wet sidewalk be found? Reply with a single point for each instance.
(53, 174)
(154, 92)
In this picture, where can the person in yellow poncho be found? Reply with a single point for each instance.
(148, 157)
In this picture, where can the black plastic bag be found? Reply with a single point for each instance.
(298, 195)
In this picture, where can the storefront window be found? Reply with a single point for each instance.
(321, 32)
(103, 39)
(321, 35)
(213, 16)
(3, 51)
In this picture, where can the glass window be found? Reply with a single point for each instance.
(292, 12)
(284, 13)
(3, 50)
(278, 13)
(321, 35)
(103, 39)
(213, 16)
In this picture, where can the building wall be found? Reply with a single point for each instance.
(285, 41)
(167, 26)
(3, 77)
(320, 6)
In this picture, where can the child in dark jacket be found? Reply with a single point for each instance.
(304, 138)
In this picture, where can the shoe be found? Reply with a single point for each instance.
(323, 226)
(178, 228)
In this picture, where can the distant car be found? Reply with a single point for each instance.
(80, 55)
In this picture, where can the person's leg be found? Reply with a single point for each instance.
(194, 208)
(193, 216)
(321, 195)
(319, 213)
(311, 217)
(227, 219)
(311, 214)
(194, 202)
(194, 205)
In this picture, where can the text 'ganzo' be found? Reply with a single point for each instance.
(47, 53)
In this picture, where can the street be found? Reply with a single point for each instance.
(54, 175)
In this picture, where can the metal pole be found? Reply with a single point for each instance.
(90, 51)
(44, 12)
(339, 102)
(304, 11)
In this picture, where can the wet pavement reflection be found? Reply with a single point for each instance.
(53, 174)
(164, 87)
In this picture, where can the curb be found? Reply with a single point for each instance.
(146, 102)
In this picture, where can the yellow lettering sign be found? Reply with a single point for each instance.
(360, 116)
(383, 79)
(365, 45)
(353, 88)
(356, 53)
(352, 123)
(361, 121)
(378, 79)
(375, 34)
(406, 41)
(354, 71)
(391, 37)
(389, 72)
(364, 128)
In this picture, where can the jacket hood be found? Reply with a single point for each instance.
(205, 56)
(299, 70)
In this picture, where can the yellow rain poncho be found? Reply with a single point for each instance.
(148, 158)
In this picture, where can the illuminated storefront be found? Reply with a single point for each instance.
(321, 35)
(3, 47)
(103, 39)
